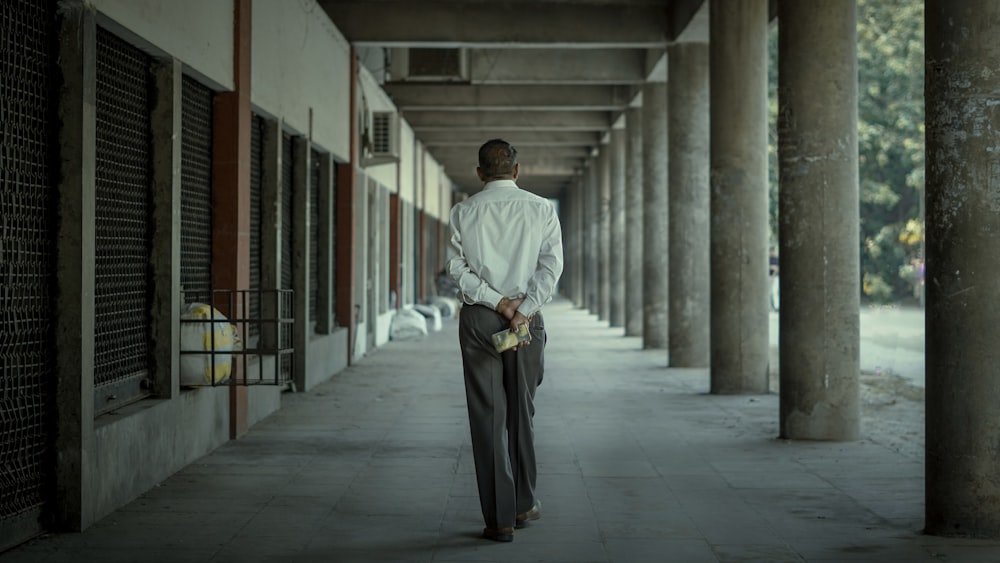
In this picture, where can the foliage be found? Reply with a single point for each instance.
(890, 144)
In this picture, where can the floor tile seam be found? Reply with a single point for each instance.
(807, 470)
(454, 482)
(247, 523)
(882, 520)
(774, 533)
(882, 444)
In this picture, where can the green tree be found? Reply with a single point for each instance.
(890, 144)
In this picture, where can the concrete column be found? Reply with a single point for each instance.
(565, 221)
(616, 283)
(655, 215)
(604, 240)
(74, 314)
(579, 298)
(571, 244)
(689, 205)
(818, 229)
(963, 242)
(591, 227)
(633, 221)
(739, 214)
(165, 257)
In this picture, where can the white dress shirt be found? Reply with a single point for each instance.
(508, 243)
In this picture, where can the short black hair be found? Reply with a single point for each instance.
(497, 159)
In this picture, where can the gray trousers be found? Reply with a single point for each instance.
(500, 392)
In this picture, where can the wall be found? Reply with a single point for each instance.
(148, 441)
(433, 175)
(301, 64)
(301, 75)
(328, 353)
(407, 146)
(142, 444)
(198, 33)
(373, 99)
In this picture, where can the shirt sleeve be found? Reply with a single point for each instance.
(472, 288)
(543, 282)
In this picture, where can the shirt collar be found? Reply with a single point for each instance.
(500, 184)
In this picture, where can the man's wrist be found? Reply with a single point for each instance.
(502, 305)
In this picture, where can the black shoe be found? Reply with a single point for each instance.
(499, 534)
(534, 514)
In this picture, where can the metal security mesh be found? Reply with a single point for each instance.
(196, 190)
(314, 188)
(333, 244)
(287, 200)
(256, 158)
(122, 209)
(27, 266)
(287, 232)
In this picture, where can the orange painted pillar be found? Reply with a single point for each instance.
(231, 196)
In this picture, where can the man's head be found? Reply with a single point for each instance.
(497, 161)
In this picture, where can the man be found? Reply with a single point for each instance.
(508, 258)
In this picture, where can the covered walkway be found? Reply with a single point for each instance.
(637, 464)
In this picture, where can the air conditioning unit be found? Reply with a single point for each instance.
(429, 65)
(380, 138)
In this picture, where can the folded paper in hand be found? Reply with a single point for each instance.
(508, 338)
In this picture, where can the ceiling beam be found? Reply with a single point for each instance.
(543, 187)
(502, 121)
(456, 23)
(521, 139)
(557, 66)
(420, 97)
(524, 156)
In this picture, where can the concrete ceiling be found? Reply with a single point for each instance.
(550, 76)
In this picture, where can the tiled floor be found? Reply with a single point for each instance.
(637, 464)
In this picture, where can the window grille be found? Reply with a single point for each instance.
(314, 277)
(382, 133)
(256, 158)
(333, 244)
(27, 267)
(285, 335)
(122, 209)
(287, 201)
(196, 190)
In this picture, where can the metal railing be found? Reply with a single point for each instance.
(214, 341)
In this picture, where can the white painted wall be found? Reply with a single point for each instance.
(196, 32)
(301, 62)
(373, 98)
(433, 174)
(447, 189)
(407, 146)
(384, 174)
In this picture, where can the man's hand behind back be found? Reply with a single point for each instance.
(515, 317)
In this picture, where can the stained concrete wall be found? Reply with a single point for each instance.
(197, 33)
(145, 443)
(116, 457)
(301, 65)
